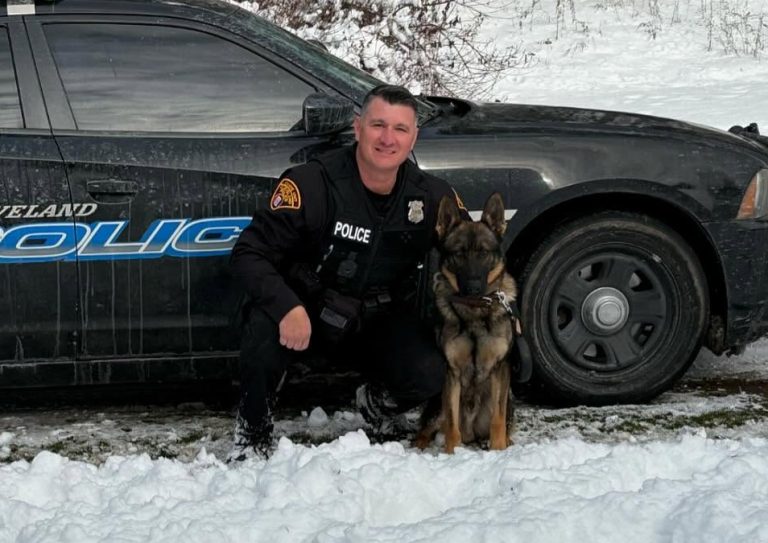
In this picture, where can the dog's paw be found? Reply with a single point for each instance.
(452, 440)
(422, 442)
(498, 444)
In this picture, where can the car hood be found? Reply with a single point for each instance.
(495, 118)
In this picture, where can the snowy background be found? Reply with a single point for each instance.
(690, 466)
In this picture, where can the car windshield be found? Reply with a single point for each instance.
(348, 80)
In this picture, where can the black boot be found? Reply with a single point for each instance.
(250, 441)
(380, 410)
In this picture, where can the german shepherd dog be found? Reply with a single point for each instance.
(473, 293)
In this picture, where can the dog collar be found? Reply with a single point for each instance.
(472, 301)
(500, 297)
(480, 301)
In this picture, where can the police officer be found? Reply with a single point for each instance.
(331, 264)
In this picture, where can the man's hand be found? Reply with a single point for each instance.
(295, 329)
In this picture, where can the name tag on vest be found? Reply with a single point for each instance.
(352, 232)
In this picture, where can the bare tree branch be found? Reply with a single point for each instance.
(428, 45)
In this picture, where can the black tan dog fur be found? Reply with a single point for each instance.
(475, 334)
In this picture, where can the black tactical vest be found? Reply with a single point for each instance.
(362, 253)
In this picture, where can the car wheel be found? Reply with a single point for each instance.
(615, 307)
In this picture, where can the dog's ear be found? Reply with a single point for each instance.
(493, 214)
(447, 216)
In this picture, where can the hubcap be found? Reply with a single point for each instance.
(609, 308)
(605, 310)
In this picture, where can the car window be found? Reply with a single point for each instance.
(324, 65)
(10, 108)
(170, 79)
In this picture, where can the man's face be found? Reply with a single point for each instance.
(385, 134)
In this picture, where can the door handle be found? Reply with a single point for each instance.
(112, 190)
(112, 186)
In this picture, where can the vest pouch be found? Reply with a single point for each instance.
(339, 316)
(305, 282)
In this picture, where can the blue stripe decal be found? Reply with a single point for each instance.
(68, 241)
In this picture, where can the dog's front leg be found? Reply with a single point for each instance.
(458, 352)
(451, 413)
(499, 438)
(492, 363)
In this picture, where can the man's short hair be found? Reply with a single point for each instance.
(391, 94)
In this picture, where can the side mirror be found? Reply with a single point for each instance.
(325, 114)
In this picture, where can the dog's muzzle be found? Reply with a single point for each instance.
(472, 282)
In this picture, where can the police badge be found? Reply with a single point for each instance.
(416, 211)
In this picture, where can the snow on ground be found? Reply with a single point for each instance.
(691, 488)
(690, 466)
(608, 59)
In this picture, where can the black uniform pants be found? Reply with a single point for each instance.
(393, 350)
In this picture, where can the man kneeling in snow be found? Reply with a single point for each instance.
(331, 266)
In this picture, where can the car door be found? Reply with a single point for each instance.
(38, 277)
(174, 131)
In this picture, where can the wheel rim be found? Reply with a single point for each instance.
(610, 309)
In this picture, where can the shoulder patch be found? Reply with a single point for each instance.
(458, 200)
(286, 196)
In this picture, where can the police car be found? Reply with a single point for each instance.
(138, 136)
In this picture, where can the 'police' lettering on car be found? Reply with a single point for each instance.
(182, 238)
(354, 233)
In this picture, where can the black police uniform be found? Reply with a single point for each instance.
(330, 244)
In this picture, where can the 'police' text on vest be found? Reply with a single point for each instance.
(354, 233)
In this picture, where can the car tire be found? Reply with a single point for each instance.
(615, 307)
